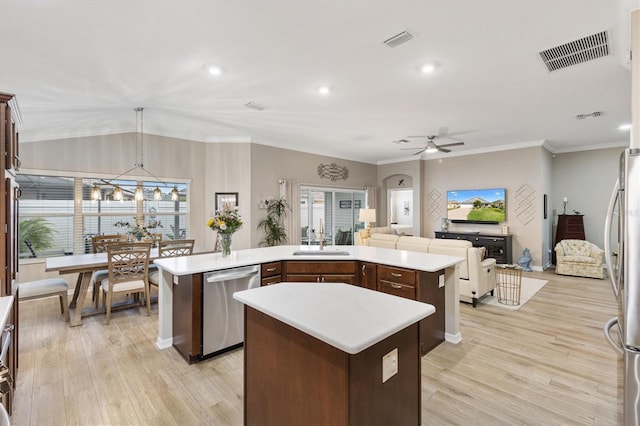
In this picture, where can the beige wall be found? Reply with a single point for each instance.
(270, 164)
(586, 178)
(167, 158)
(519, 171)
(253, 171)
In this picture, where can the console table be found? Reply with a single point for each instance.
(497, 246)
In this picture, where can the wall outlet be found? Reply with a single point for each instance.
(389, 365)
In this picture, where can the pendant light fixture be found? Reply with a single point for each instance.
(118, 194)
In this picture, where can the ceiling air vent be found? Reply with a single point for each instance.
(590, 115)
(398, 39)
(255, 106)
(576, 52)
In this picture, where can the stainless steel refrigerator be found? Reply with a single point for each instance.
(622, 252)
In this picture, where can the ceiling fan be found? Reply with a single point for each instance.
(431, 147)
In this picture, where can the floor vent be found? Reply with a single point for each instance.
(576, 52)
(398, 39)
(255, 106)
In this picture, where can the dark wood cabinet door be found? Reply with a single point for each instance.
(368, 277)
(432, 327)
(187, 316)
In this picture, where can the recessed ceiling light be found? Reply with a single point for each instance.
(323, 90)
(625, 126)
(214, 70)
(428, 68)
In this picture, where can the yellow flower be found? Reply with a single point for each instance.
(210, 222)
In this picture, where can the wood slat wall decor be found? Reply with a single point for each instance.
(547, 363)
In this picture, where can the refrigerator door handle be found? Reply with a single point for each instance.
(607, 235)
(607, 333)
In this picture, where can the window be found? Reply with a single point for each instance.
(62, 208)
(337, 208)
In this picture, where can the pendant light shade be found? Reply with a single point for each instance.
(117, 193)
(95, 193)
(139, 194)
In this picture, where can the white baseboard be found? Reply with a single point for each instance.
(453, 338)
(164, 343)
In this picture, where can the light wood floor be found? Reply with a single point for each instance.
(545, 364)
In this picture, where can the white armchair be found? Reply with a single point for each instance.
(579, 258)
(477, 276)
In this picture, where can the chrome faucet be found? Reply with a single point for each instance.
(321, 239)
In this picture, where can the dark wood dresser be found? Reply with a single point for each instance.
(570, 227)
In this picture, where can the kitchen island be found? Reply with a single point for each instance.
(331, 353)
(181, 271)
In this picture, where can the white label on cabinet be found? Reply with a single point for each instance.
(440, 281)
(389, 365)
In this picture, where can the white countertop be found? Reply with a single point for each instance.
(198, 263)
(345, 316)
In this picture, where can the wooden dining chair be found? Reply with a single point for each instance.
(171, 248)
(99, 244)
(128, 273)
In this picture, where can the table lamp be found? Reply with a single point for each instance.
(367, 216)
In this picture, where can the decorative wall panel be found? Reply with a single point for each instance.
(525, 204)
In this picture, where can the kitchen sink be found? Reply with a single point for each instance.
(319, 252)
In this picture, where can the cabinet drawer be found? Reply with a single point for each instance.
(271, 269)
(271, 280)
(303, 278)
(396, 289)
(397, 275)
(307, 267)
(338, 278)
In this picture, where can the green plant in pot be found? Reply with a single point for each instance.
(272, 225)
(34, 235)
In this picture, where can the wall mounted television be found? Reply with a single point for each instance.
(484, 206)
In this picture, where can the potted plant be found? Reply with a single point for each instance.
(34, 235)
(272, 225)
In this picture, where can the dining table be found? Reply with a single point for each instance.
(84, 265)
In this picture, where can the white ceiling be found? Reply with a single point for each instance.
(79, 67)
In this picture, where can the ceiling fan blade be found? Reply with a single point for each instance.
(441, 149)
(419, 152)
(452, 144)
(409, 149)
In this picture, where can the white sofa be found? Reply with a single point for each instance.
(477, 276)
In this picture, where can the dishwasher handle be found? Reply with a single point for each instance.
(216, 277)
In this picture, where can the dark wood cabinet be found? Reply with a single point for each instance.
(292, 378)
(271, 273)
(416, 285)
(9, 225)
(320, 271)
(570, 227)
(497, 246)
(368, 275)
(187, 316)
(421, 286)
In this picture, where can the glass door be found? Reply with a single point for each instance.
(336, 210)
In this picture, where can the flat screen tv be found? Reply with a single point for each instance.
(487, 206)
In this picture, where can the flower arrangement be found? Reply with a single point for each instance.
(137, 231)
(226, 220)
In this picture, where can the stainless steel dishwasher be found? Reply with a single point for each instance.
(222, 315)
